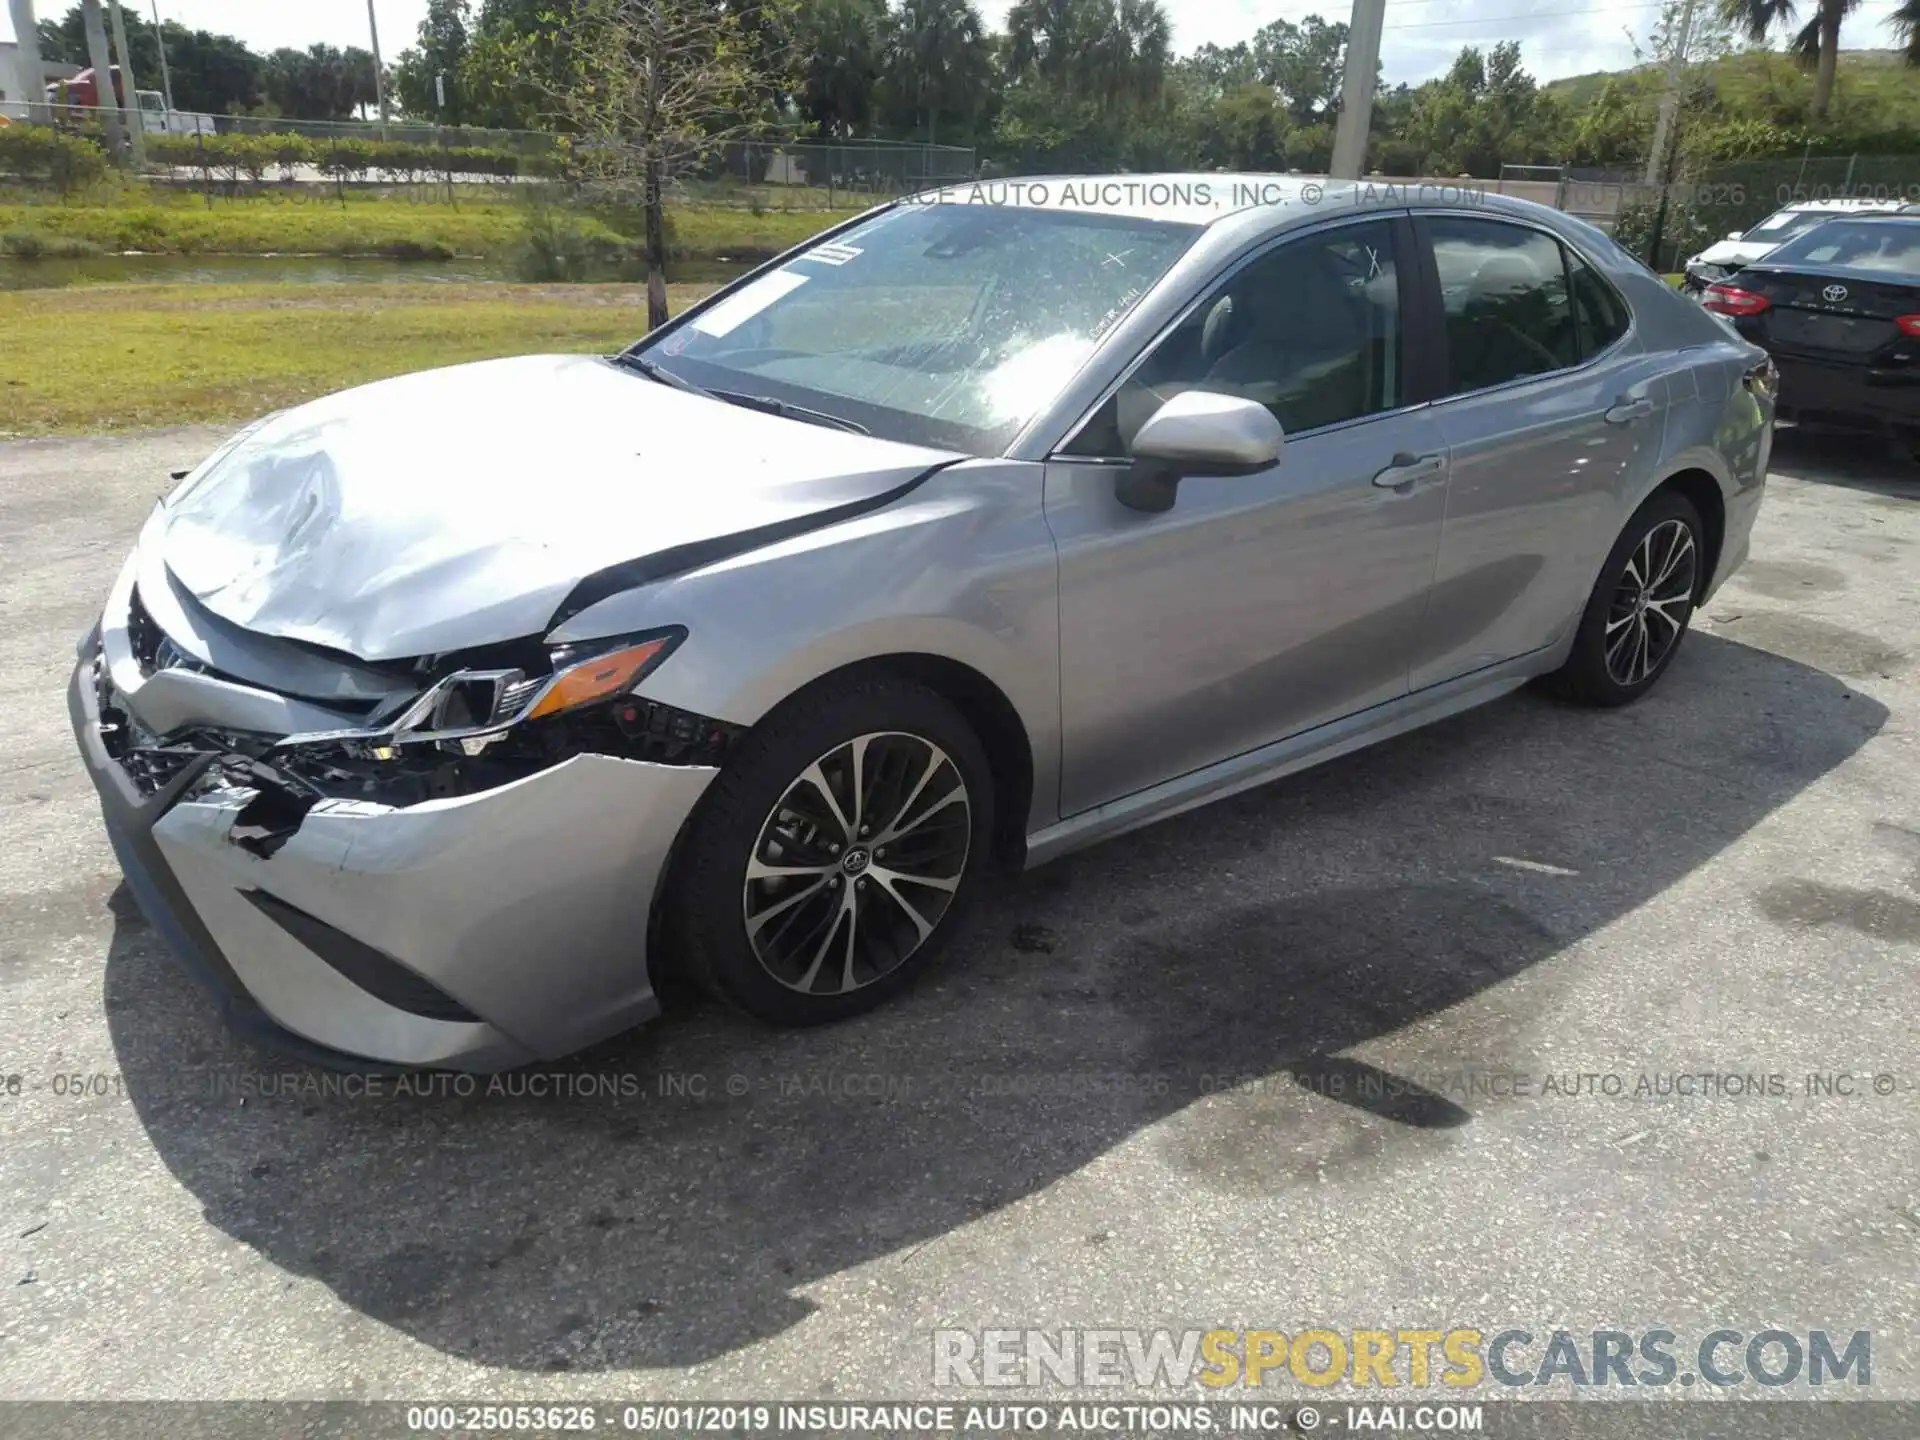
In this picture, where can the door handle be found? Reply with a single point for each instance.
(1408, 472)
(1626, 411)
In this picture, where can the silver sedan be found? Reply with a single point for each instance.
(434, 720)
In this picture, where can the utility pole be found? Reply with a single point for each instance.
(160, 42)
(379, 79)
(1670, 101)
(1356, 94)
(26, 31)
(109, 106)
(137, 125)
(1659, 163)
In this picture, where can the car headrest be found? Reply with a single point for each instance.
(1501, 276)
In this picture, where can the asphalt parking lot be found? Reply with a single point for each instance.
(1161, 1084)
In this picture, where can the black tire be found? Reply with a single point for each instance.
(1596, 673)
(747, 816)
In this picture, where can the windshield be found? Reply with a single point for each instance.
(1887, 247)
(943, 325)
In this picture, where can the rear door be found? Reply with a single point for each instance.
(1552, 407)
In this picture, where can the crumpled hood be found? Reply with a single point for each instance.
(458, 507)
(1732, 253)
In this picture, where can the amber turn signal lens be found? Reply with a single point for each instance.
(600, 678)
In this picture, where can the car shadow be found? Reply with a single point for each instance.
(670, 1196)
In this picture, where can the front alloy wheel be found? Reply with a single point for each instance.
(857, 863)
(833, 857)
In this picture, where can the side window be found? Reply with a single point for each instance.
(1311, 330)
(1508, 313)
(1600, 312)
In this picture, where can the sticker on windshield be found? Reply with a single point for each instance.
(833, 253)
(733, 312)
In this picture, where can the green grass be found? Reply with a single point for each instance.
(30, 245)
(312, 220)
(111, 357)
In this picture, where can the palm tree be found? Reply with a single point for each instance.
(1905, 21)
(841, 45)
(1817, 42)
(1112, 52)
(938, 58)
(1048, 38)
(1137, 48)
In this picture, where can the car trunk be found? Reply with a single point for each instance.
(1827, 317)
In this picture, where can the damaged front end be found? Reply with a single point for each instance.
(448, 861)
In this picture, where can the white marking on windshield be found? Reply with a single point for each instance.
(733, 312)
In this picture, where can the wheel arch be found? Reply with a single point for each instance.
(988, 711)
(1704, 491)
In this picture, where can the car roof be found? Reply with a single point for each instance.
(1908, 216)
(1841, 204)
(1191, 199)
(1239, 201)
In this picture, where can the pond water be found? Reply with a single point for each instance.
(306, 270)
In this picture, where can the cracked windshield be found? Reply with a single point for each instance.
(934, 325)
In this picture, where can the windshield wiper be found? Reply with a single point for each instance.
(786, 409)
(657, 373)
(766, 404)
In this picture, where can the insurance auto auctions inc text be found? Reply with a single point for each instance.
(1655, 1358)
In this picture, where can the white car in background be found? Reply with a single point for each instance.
(1738, 250)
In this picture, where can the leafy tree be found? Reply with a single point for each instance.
(1305, 63)
(214, 74)
(649, 87)
(320, 82)
(1218, 69)
(1486, 111)
(440, 54)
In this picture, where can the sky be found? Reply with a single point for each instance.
(1557, 37)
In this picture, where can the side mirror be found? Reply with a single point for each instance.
(1198, 433)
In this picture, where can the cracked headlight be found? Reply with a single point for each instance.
(476, 707)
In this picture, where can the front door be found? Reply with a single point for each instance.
(1258, 606)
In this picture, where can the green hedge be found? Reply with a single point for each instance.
(41, 155)
(252, 157)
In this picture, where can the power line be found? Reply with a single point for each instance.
(1536, 15)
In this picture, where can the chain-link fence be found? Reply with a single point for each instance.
(1714, 202)
(234, 153)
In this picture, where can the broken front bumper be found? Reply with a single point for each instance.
(474, 933)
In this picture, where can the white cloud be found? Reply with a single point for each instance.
(1423, 36)
(269, 24)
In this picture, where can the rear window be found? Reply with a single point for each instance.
(1876, 246)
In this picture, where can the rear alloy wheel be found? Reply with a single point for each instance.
(1640, 608)
(1651, 603)
(831, 860)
